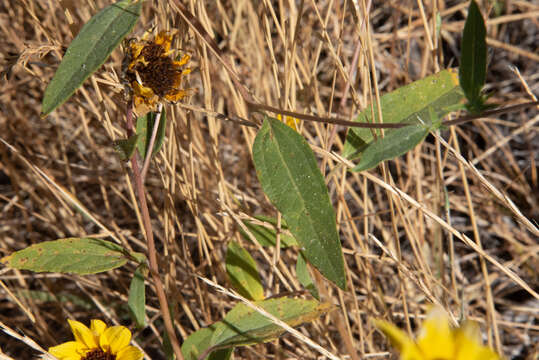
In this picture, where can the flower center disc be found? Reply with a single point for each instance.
(98, 354)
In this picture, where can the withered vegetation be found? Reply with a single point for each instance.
(406, 229)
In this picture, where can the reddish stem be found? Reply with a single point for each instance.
(152, 254)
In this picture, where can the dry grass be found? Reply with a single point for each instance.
(475, 252)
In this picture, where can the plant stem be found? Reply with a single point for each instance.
(152, 255)
(149, 151)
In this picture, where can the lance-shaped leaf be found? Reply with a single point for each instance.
(302, 272)
(89, 50)
(473, 60)
(245, 326)
(268, 236)
(439, 92)
(289, 174)
(72, 255)
(396, 143)
(199, 342)
(243, 273)
(145, 126)
(137, 296)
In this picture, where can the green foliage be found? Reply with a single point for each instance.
(245, 326)
(243, 273)
(473, 60)
(145, 126)
(439, 93)
(289, 174)
(137, 296)
(200, 341)
(72, 255)
(267, 236)
(126, 147)
(395, 143)
(141, 140)
(89, 50)
(304, 277)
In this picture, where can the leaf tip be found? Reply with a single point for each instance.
(6, 260)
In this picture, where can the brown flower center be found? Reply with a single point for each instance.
(159, 73)
(98, 354)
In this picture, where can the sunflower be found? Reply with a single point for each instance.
(438, 340)
(152, 74)
(99, 342)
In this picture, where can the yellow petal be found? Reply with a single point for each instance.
(71, 350)
(398, 338)
(139, 59)
(412, 352)
(82, 334)
(177, 80)
(97, 326)
(183, 60)
(436, 338)
(289, 120)
(142, 107)
(177, 95)
(471, 330)
(406, 346)
(468, 344)
(130, 353)
(136, 49)
(141, 90)
(114, 339)
(292, 122)
(164, 40)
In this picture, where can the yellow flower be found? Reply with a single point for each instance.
(290, 121)
(97, 343)
(152, 74)
(437, 340)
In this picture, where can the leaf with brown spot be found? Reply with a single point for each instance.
(72, 255)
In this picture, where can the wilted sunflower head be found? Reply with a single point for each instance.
(151, 73)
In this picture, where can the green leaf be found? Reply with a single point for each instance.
(144, 131)
(440, 92)
(137, 296)
(396, 143)
(126, 147)
(200, 341)
(243, 273)
(72, 255)
(268, 236)
(473, 60)
(245, 326)
(289, 174)
(89, 50)
(304, 277)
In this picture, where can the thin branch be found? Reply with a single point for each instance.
(149, 149)
(152, 254)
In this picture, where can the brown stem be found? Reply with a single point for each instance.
(489, 113)
(152, 254)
